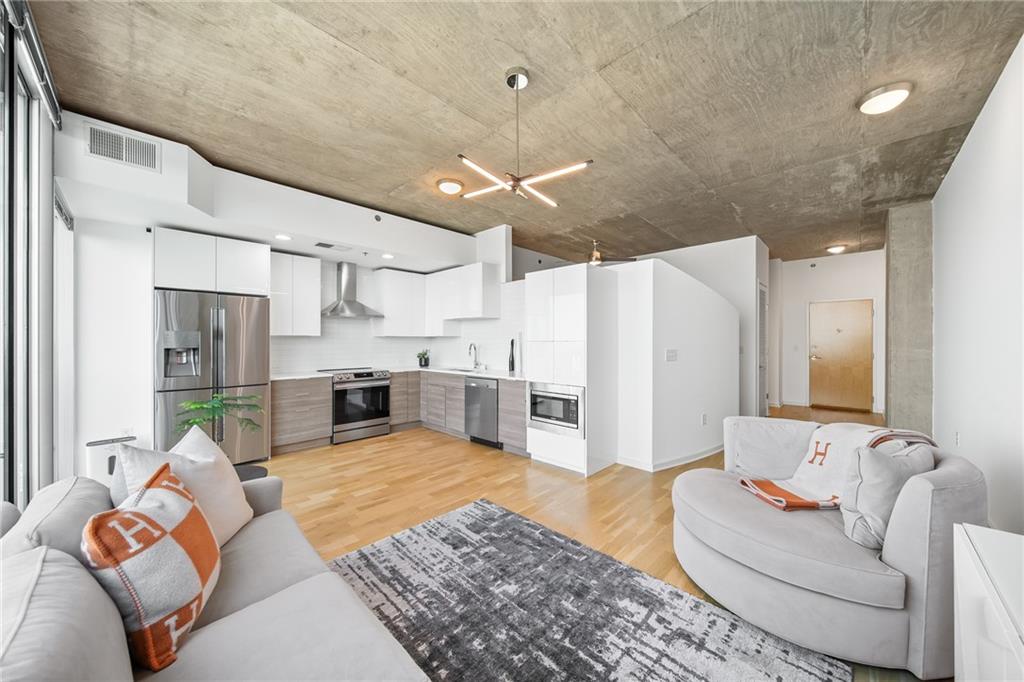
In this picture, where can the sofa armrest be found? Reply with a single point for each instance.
(9, 515)
(263, 494)
(765, 447)
(919, 544)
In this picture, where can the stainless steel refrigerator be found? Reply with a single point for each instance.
(208, 343)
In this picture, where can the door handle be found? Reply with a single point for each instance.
(815, 357)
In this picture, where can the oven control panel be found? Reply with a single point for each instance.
(361, 375)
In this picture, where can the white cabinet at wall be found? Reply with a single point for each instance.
(243, 267)
(539, 302)
(294, 295)
(184, 260)
(202, 262)
(569, 362)
(540, 361)
(400, 298)
(569, 304)
(474, 292)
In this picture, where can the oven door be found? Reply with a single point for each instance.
(359, 404)
(557, 409)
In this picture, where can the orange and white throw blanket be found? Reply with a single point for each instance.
(818, 479)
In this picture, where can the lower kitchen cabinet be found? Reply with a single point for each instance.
(455, 405)
(405, 397)
(512, 414)
(301, 414)
(443, 402)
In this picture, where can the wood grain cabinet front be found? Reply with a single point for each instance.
(300, 410)
(512, 414)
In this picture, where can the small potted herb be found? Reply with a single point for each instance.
(424, 357)
(220, 405)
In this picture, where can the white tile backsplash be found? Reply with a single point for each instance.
(351, 343)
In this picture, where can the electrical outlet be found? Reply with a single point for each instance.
(703, 419)
(671, 355)
(956, 438)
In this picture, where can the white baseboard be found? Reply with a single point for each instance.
(668, 464)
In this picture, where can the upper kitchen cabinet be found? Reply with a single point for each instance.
(539, 305)
(569, 303)
(475, 292)
(294, 295)
(184, 260)
(202, 262)
(244, 268)
(400, 298)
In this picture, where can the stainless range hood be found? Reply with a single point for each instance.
(347, 305)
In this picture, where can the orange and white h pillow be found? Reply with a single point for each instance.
(157, 557)
(819, 479)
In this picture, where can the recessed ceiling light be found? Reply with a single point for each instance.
(283, 237)
(449, 186)
(837, 249)
(387, 256)
(885, 98)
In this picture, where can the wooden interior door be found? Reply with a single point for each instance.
(841, 354)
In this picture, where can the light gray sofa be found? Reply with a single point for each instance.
(797, 575)
(276, 613)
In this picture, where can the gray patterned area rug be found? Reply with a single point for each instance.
(482, 593)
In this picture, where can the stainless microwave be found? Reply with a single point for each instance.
(557, 408)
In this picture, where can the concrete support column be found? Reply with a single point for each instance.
(909, 317)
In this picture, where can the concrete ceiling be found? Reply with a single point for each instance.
(707, 120)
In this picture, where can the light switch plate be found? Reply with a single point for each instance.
(671, 355)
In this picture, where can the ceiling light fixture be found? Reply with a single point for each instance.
(595, 255)
(283, 237)
(885, 98)
(516, 78)
(449, 186)
(387, 256)
(837, 249)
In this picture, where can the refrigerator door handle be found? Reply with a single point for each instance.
(219, 335)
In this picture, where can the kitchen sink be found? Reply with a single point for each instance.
(457, 369)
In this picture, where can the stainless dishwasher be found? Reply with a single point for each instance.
(482, 409)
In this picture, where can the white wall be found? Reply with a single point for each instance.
(833, 278)
(978, 217)
(661, 400)
(733, 268)
(775, 297)
(113, 319)
(527, 260)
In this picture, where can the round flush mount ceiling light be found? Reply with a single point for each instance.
(387, 256)
(449, 186)
(837, 249)
(283, 237)
(885, 98)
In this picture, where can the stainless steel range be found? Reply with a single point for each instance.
(362, 403)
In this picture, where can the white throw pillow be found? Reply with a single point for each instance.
(874, 480)
(204, 469)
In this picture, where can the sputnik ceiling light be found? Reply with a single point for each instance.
(516, 78)
(595, 256)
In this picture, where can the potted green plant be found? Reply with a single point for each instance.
(219, 406)
(424, 357)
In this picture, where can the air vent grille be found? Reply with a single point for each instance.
(325, 245)
(129, 150)
(336, 247)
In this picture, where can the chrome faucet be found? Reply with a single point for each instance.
(473, 352)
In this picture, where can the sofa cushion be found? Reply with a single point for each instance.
(267, 555)
(317, 629)
(58, 624)
(804, 548)
(56, 516)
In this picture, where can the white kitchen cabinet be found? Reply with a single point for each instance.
(569, 303)
(539, 292)
(438, 306)
(474, 292)
(569, 362)
(184, 260)
(280, 294)
(540, 361)
(305, 296)
(242, 267)
(400, 298)
(294, 295)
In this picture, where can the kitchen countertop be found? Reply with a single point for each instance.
(482, 373)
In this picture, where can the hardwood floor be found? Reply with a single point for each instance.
(347, 496)
(826, 416)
